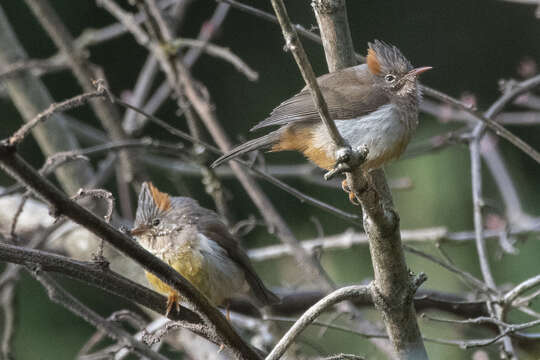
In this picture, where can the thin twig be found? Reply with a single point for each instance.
(476, 179)
(7, 295)
(219, 52)
(98, 194)
(271, 18)
(86, 73)
(206, 33)
(350, 238)
(347, 293)
(58, 295)
(488, 121)
(477, 206)
(271, 179)
(36, 67)
(130, 317)
(65, 105)
(528, 284)
(476, 283)
(293, 44)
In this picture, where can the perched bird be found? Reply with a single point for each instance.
(197, 244)
(373, 104)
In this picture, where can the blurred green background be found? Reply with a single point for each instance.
(471, 45)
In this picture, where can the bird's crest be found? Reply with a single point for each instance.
(384, 58)
(152, 202)
(161, 200)
(373, 64)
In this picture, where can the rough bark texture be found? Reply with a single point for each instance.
(394, 286)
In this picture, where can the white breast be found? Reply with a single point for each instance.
(385, 132)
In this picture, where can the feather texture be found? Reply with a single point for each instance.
(348, 94)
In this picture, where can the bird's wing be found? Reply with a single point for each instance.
(211, 227)
(348, 94)
(209, 224)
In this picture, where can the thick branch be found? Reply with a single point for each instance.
(393, 288)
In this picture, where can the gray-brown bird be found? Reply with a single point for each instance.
(196, 243)
(373, 104)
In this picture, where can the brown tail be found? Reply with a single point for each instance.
(255, 144)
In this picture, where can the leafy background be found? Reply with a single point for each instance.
(471, 44)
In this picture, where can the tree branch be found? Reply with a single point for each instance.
(347, 293)
(19, 169)
(393, 287)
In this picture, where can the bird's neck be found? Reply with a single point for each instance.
(407, 107)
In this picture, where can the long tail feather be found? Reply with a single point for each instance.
(255, 144)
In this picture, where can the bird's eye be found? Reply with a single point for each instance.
(155, 222)
(390, 78)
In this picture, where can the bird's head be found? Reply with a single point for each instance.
(152, 210)
(391, 69)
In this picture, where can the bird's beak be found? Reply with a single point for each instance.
(419, 70)
(139, 230)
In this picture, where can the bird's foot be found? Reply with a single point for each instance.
(352, 196)
(173, 300)
(347, 160)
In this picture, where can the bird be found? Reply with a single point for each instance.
(373, 105)
(196, 243)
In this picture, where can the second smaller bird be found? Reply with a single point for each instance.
(196, 243)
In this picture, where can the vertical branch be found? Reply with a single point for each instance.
(476, 178)
(336, 37)
(293, 43)
(393, 288)
(6, 301)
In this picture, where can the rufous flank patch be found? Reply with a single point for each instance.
(162, 200)
(301, 139)
(373, 64)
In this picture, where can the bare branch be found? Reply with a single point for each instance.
(65, 105)
(98, 194)
(347, 293)
(19, 169)
(526, 285)
(86, 73)
(292, 43)
(219, 52)
(30, 96)
(271, 179)
(58, 295)
(488, 121)
(7, 294)
(36, 67)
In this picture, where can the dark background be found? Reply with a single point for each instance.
(471, 45)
